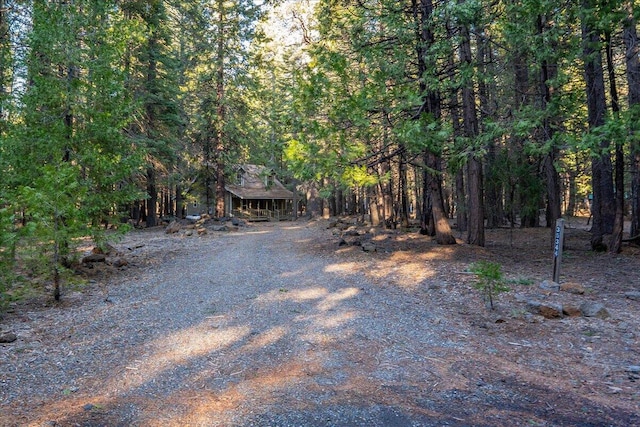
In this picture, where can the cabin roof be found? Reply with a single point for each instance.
(253, 185)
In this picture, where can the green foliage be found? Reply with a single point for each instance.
(490, 280)
(357, 176)
(66, 163)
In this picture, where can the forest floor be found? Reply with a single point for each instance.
(286, 325)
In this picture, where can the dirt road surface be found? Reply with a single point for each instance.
(278, 325)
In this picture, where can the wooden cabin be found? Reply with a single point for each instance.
(258, 195)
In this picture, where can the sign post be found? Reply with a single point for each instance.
(557, 249)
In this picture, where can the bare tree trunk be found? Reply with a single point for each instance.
(632, 47)
(339, 202)
(374, 209)
(433, 217)
(313, 201)
(427, 227)
(387, 195)
(219, 136)
(403, 205)
(615, 241)
(548, 72)
(151, 82)
(494, 209)
(475, 191)
(179, 202)
(459, 196)
(326, 206)
(572, 190)
(475, 233)
(5, 63)
(554, 190)
(602, 180)
(152, 201)
(444, 236)
(461, 201)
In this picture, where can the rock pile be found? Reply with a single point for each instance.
(554, 310)
(202, 225)
(353, 233)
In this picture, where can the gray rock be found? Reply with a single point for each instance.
(220, 228)
(633, 369)
(7, 337)
(368, 247)
(549, 285)
(633, 295)
(173, 227)
(591, 309)
(546, 310)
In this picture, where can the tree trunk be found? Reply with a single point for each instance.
(179, 202)
(152, 201)
(151, 88)
(313, 201)
(630, 36)
(5, 61)
(572, 206)
(219, 136)
(602, 180)
(554, 190)
(374, 207)
(326, 207)
(220, 191)
(427, 227)
(444, 236)
(385, 191)
(403, 205)
(433, 217)
(461, 201)
(339, 202)
(294, 184)
(552, 177)
(475, 191)
(615, 241)
(548, 72)
(475, 232)
(494, 209)
(459, 197)
(494, 197)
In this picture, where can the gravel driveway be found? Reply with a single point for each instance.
(260, 327)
